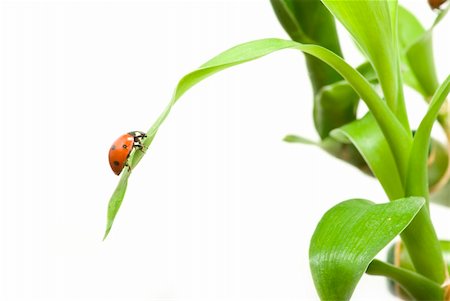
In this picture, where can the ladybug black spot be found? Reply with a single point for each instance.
(116, 163)
(124, 146)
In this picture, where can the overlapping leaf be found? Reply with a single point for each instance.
(373, 27)
(366, 135)
(349, 236)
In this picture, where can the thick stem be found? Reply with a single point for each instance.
(423, 247)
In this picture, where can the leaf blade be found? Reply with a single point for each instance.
(349, 236)
(391, 127)
(367, 137)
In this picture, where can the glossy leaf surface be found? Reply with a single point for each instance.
(349, 236)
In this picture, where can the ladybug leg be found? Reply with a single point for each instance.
(127, 166)
(142, 148)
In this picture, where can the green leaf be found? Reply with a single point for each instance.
(417, 57)
(349, 236)
(398, 138)
(419, 287)
(366, 135)
(372, 25)
(116, 200)
(299, 139)
(417, 180)
(420, 236)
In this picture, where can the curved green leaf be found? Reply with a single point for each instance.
(417, 57)
(420, 236)
(366, 135)
(349, 236)
(416, 54)
(417, 171)
(398, 138)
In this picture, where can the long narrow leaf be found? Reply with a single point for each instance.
(420, 236)
(419, 152)
(347, 239)
(398, 138)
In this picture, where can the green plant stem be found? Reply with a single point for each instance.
(420, 237)
(419, 287)
(423, 247)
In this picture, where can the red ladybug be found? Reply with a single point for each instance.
(122, 147)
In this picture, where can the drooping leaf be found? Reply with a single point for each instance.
(398, 138)
(349, 236)
(116, 200)
(366, 135)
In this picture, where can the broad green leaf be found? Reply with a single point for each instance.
(399, 139)
(372, 25)
(349, 236)
(366, 135)
(418, 287)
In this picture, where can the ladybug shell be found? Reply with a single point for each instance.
(119, 152)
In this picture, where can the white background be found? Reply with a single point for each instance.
(219, 209)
